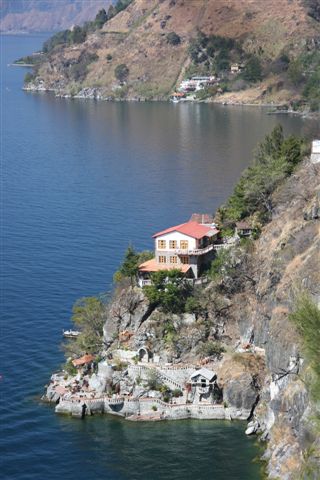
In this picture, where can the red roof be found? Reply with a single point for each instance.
(192, 229)
(83, 360)
(243, 225)
(153, 266)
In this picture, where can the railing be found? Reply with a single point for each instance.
(143, 283)
(194, 251)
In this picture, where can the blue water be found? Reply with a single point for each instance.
(80, 181)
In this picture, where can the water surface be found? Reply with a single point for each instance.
(81, 180)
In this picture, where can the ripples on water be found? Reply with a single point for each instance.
(81, 181)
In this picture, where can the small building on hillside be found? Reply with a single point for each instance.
(86, 359)
(236, 67)
(315, 151)
(243, 229)
(196, 83)
(202, 384)
(202, 218)
(187, 247)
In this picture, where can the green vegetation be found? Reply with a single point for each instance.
(169, 290)
(210, 349)
(214, 53)
(221, 265)
(121, 72)
(130, 264)
(34, 59)
(79, 34)
(153, 381)
(29, 77)
(66, 37)
(306, 317)
(78, 71)
(275, 159)
(173, 38)
(253, 70)
(89, 318)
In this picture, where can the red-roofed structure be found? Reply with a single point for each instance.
(79, 362)
(192, 229)
(187, 247)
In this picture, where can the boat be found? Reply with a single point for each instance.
(70, 333)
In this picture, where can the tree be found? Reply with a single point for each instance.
(121, 72)
(129, 267)
(89, 316)
(253, 70)
(78, 35)
(101, 18)
(173, 38)
(169, 290)
(295, 72)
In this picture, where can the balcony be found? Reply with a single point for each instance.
(195, 251)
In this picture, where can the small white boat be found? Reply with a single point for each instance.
(175, 100)
(70, 333)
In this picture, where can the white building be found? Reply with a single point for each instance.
(187, 247)
(202, 384)
(315, 151)
(196, 83)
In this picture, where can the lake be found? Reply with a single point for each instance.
(82, 180)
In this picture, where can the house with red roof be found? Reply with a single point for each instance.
(187, 247)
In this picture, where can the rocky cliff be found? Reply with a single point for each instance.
(261, 368)
(139, 37)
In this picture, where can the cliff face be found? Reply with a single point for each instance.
(262, 370)
(138, 37)
(46, 16)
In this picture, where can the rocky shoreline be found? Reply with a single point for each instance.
(95, 93)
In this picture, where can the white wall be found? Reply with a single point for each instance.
(192, 243)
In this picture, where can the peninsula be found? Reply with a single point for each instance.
(220, 321)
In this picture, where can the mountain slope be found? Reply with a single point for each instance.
(45, 15)
(138, 37)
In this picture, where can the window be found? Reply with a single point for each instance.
(161, 244)
(184, 259)
(162, 259)
(184, 244)
(173, 244)
(174, 259)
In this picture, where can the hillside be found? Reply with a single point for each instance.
(46, 15)
(280, 36)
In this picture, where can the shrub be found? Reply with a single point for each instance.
(154, 408)
(221, 265)
(121, 72)
(173, 38)
(70, 368)
(153, 381)
(79, 70)
(176, 393)
(210, 349)
(29, 77)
